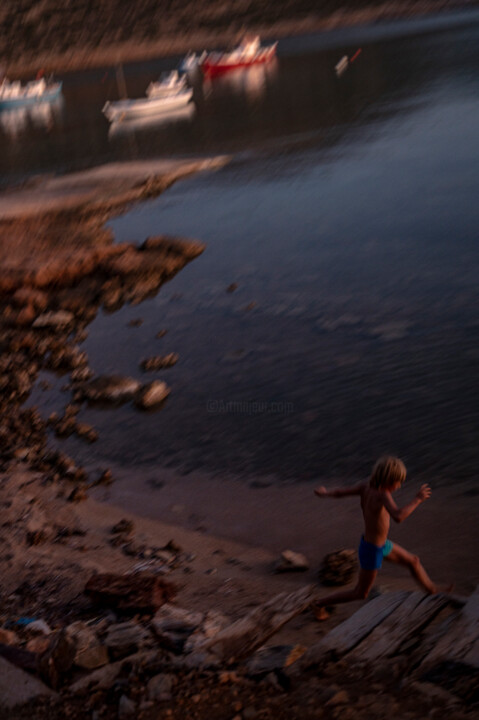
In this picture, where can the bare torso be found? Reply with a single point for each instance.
(376, 517)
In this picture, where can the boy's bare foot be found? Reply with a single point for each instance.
(320, 613)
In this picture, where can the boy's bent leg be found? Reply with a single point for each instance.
(364, 584)
(400, 556)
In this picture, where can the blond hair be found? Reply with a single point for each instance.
(387, 472)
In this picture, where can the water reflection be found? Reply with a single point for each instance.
(17, 121)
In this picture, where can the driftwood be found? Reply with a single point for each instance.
(246, 635)
(456, 640)
(350, 633)
(398, 628)
(140, 591)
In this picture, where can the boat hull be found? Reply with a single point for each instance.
(212, 66)
(144, 107)
(49, 95)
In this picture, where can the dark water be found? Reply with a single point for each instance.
(349, 221)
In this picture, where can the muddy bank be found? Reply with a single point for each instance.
(44, 35)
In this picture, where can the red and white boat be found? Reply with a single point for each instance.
(248, 53)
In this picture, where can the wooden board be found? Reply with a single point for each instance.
(456, 640)
(249, 633)
(355, 629)
(408, 618)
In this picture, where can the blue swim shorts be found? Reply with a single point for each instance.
(371, 556)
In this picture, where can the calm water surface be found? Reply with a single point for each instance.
(348, 221)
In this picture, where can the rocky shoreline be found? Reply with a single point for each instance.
(43, 35)
(108, 614)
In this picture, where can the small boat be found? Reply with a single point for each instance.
(14, 94)
(141, 107)
(169, 84)
(145, 123)
(248, 53)
(191, 62)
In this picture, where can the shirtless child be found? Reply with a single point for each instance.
(378, 508)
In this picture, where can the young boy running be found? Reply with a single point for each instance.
(378, 508)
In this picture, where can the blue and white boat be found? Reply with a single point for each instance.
(15, 95)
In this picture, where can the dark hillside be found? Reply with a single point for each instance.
(52, 32)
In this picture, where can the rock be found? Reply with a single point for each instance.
(232, 287)
(38, 644)
(8, 637)
(59, 319)
(29, 296)
(81, 374)
(57, 659)
(90, 653)
(269, 659)
(339, 698)
(39, 626)
(138, 591)
(160, 686)
(110, 389)
(125, 638)
(159, 361)
(78, 494)
(123, 527)
(173, 626)
(152, 395)
(338, 568)
(126, 707)
(292, 562)
(106, 478)
(18, 687)
(87, 432)
(171, 617)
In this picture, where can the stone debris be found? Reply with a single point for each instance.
(139, 591)
(291, 561)
(158, 362)
(152, 395)
(110, 389)
(338, 568)
(123, 639)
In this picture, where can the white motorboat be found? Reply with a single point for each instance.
(152, 122)
(168, 84)
(141, 107)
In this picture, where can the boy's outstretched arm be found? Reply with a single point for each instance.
(339, 492)
(400, 514)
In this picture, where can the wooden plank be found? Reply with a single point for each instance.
(408, 618)
(457, 640)
(249, 633)
(352, 631)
